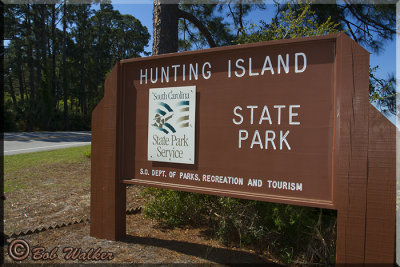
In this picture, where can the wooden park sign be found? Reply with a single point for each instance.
(282, 121)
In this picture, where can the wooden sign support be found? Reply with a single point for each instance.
(363, 155)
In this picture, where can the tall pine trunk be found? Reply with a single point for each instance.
(32, 95)
(21, 79)
(30, 54)
(165, 27)
(53, 54)
(12, 92)
(65, 91)
(83, 46)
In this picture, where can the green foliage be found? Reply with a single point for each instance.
(297, 234)
(383, 92)
(38, 80)
(368, 23)
(173, 208)
(291, 24)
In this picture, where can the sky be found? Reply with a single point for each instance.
(385, 59)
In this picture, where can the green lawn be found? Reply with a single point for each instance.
(18, 167)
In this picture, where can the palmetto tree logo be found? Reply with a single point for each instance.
(166, 118)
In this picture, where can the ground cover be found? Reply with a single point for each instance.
(50, 188)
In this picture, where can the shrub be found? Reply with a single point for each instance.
(297, 234)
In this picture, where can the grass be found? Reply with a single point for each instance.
(19, 169)
(23, 161)
(46, 187)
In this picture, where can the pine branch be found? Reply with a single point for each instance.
(199, 25)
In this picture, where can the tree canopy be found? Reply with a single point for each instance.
(370, 25)
(57, 59)
(57, 55)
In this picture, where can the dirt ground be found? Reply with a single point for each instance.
(50, 200)
(145, 243)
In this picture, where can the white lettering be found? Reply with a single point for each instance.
(252, 112)
(269, 139)
(279, 107)
(208, 72)
(265, 116)
(143, 76)
(195, 72)
(283, 139)
(281, 62)
(250, 71)
(151, 75)
(258, 141)
(237, 114)
(240, 67)
(269, 67)
(296, 63)
(292, 114)
(164, 74)
(241, 138)
(175, 70)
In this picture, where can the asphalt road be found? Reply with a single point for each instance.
(27, 142)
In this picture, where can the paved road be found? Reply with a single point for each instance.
(26, 142)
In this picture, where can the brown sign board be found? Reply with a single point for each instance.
(283, 121)
(264, 121)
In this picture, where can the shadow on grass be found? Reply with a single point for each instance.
(217, 255)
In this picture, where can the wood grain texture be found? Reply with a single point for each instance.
(107, 202)
(350, 149)
(381, 194)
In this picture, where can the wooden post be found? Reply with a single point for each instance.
(350, 149)
(108, 194)
(364, 165)
(381, 192)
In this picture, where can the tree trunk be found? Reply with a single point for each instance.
(32, 97)
(30, 55)
(41, 44)
(165, 27)
(83, 47)
(65, 91)
(21, 79)
(53, 61)
(12, 92)
(99, 72)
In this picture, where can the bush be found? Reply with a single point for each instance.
(296, 234)
(174, 208)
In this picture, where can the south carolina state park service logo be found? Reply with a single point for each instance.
(172, 124)
(167, 119)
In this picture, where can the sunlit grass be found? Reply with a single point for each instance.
(17, 176)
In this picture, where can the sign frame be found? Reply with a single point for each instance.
(363, 158)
